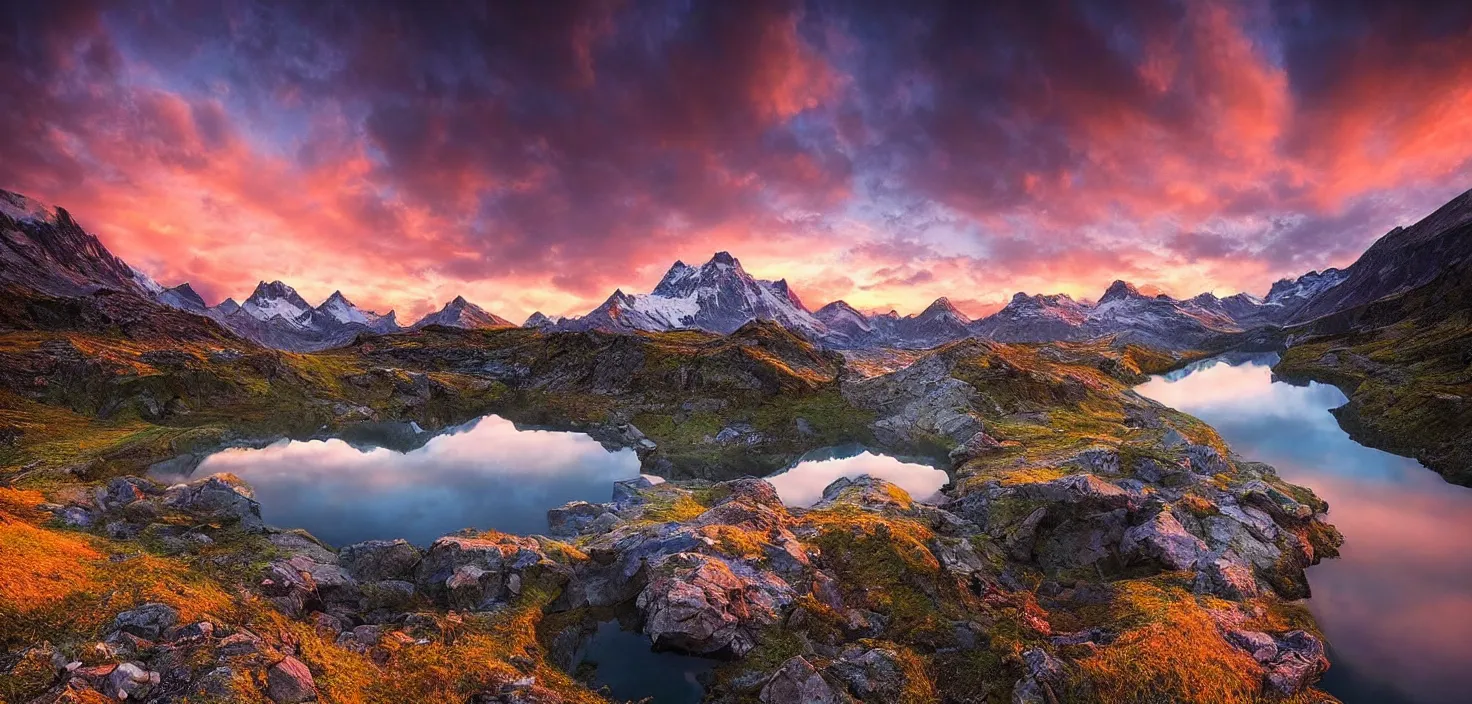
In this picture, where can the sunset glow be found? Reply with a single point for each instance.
(540, 155)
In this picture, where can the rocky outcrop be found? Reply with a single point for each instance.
(220, 497)
(797, 682)
(1163, 538)
(379, 560)
(919, 404)
(474, 574)
(700, 604)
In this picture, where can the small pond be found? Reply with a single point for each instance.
(802, 484)
(485, 474)
(623, 661)
(1397, 605)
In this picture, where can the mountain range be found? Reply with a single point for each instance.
(44, 249)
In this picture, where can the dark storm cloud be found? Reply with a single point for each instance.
(559, 147)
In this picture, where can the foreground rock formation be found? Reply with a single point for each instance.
(1094, 546)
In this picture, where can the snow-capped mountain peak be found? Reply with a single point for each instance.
(1304, 287)
(678, 272)
(460, 313)
(273, 299)
(718, 296)
(943, 308)
(541, 320)
(23, 209)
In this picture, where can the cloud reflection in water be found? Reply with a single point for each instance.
(1397, 605)
(484, 474)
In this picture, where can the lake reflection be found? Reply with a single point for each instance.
(802, 484)
(1397, 605)
(484, 474)
(632, 671)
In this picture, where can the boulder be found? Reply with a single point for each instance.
(222, 497)
(873, 674)
(148, 621)
(1162, 538)
(1205, 460)
(1227, 577)
(865, 492)
(1280, 505)
(298, 542)
(122, 491)
(1096, 460)
(130, 681)
(572, 519)
(290, 682)
(1259, 645)
(390, 594)
(797, 682)
(616, 571)
(1300, 661)
(475, 573)
(379, 560)
(626, 492)
(699, 604)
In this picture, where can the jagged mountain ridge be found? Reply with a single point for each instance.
(43, 248)
(46, 250)
(719, 296)
(460, 313)
(1404, 259)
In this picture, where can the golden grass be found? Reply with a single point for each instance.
(435, 672)
(56, 584)
(38, 567)
(1168, 650)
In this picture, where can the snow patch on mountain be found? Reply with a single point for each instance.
(718, 296)
(23, 209)
(275, 299)
(1304, 287)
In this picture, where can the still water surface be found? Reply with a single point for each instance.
(802, 484)
(1397, 605)
(484, 474)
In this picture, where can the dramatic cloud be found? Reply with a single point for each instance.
(537, 155)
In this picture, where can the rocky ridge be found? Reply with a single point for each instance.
(1054, 554)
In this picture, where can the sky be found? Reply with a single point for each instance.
(536, 156)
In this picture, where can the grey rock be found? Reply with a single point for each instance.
(290, 682)
(574, 518)
(977, 445)
(390, 594)
(1084, 489)
(299, 542)
(1301, 660)
(699, 604)
(797, 682)
(148, 621)
(872, 675)
(626, 492)
(379, 560)
(220, 497)
(1098, 460)
(1225, 576)
(1282, 506)
(1163, 538)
